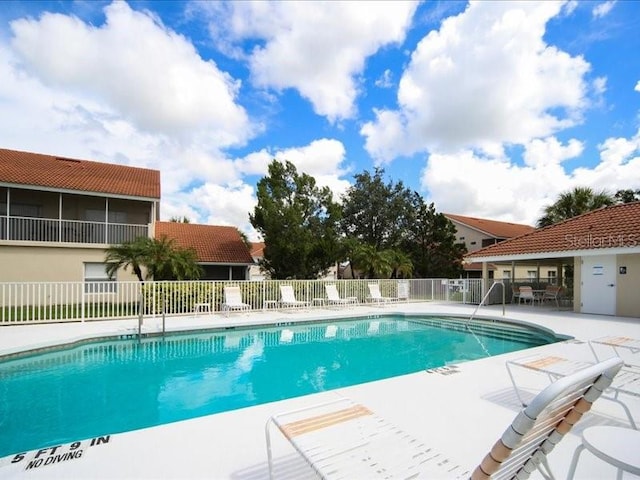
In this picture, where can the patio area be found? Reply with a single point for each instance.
(461, 414)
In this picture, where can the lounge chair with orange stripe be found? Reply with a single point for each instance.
(624, 347)
(341, 439)
(627, 382)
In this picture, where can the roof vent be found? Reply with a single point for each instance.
(64, 159)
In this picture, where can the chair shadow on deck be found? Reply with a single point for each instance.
(286, 467)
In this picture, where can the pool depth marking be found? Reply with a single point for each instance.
(56, 454)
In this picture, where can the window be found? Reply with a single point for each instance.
(117, 217)
(96, 279)
(506, 274)
(553, 276)
(25, 210)
(93, 215)
(532, 274)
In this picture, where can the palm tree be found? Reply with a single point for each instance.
(573, 203)
(374, 263)
(401, 264)
(180, 264)
(161, 258)
(129, 254)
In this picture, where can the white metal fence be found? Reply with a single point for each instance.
(80, 301)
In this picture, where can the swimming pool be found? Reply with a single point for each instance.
(106, 387)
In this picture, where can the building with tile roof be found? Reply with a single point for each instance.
(58, 215)
(221, 251)
(477, 233)
(602, 247)
(257, 253)
(52, 173)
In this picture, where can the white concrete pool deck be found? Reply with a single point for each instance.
(460, 414)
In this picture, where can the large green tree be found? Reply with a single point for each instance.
(298, 222)
(431, 243)
(376, 213)
(627, 196)
(573, 203)
(160, 257)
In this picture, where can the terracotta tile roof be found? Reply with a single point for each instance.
(212, 243)
(24, 168)
(493, 228)
(617, 226)
(476, 267)
(257, 249)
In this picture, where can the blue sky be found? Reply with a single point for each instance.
(488, 109)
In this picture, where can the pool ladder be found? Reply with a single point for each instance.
(141, 316)
(484, 348)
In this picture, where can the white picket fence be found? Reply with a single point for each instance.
(83, 301)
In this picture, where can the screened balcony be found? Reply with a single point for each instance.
(39, 216)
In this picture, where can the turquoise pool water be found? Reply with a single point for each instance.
(113, 386)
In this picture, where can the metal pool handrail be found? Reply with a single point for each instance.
(476, 310)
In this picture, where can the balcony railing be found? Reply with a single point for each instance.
(68, 231)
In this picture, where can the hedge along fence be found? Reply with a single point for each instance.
(80, 301)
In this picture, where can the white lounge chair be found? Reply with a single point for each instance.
(288, 298)
(626, 382)
(342, 439)
(333, 297)
(376, 297)
(627, 348)
(403, 291)
(233, 300)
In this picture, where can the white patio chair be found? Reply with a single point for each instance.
(233, 300)
(627, 348)
(376, 297)
(341, 439)
(333, 297)
(552, 293)
(626, 382)
(527, 295)
(288, 297)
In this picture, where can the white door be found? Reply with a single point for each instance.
(598, 292)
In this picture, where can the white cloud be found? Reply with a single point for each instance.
(385, 80)
(485, 78)
(637, 87)
(543, 153)
(322, 159)
(106, 94)
(149, 75)
(214, 205)
(602, 9)
(618, 169)
(570, 7)
(471, 184)
(494, 187)
(318, 48)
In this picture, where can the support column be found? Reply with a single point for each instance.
(485, 279)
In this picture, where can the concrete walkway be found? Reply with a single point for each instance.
(460, 414)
